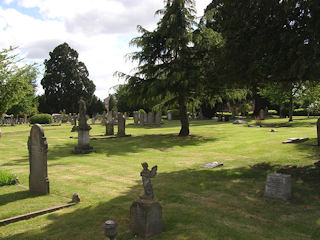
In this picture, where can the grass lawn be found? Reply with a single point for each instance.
(198, 203)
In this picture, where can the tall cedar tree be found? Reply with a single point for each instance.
(165, 61)
(66, 80)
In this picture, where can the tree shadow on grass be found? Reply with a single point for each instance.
(197, 204)
(134, 144)
(15, 196)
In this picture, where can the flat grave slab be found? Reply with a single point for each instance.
(211, 165)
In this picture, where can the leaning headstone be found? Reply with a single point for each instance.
(141, 118)
(121, 125)
(109, 125)
(145, 213)
(83, 146)
(318, 131)
(278, 186)
(38, 148)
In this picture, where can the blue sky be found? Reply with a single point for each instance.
(99, 30)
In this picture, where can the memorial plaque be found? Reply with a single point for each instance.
(278, 186)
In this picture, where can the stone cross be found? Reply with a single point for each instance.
(278, 186)
(38, 148)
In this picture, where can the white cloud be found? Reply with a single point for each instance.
(100, 30)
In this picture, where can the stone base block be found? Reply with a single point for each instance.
(82, 149)
(146, 218)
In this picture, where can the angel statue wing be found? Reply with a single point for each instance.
(153, 171)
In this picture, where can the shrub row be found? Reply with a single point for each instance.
(41, 119)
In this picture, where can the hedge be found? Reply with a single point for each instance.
(41, 119)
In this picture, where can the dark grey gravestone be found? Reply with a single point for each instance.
(150, 118)
(38, 149)
(121, 125)
(158, 118)
(278, 186)
(146, 218)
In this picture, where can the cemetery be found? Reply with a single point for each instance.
(227, 201)
(210, 131)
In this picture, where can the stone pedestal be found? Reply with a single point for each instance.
(83, 146)
(146, 218)
(278, 186)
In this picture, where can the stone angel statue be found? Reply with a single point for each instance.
(146, 174)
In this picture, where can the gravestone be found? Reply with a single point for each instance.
(278, 186)
(103, 120)
(169, 116)
(121, 125)
(261, 114)
(136, 118)
(318, 131)
(158, 118)
(74, 122)
(109, 125)
(145, 213)
(38, 148)
(150, 118)
(141, 118)
(83, 146)
(145, 118)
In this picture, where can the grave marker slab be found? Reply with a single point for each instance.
(278, 186)
(38, 148)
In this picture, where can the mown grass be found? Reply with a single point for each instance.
(222, 203)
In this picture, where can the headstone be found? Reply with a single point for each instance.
(169, 116)
(109, 125)
(145, 213)
(121, 125)
(145, 118)
(278, 186)
(103, 121)
(38, 148)
(240, 122)
(150, 118)
(141, 118)
(83, 146)
(261, 114)
(158, 118)
(318, 131)
(136, 118)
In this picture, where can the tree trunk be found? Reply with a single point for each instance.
(184, 131)
(291, 109)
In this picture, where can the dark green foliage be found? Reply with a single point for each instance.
(41, 119)
(175, 114)
(66, 80)
(96, 106)
(6, 178)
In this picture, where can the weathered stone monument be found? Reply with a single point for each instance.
(157, 119)
(83, 146)
(145, 213)
(141, 118)
(261, 114)
(136, 118)
(109, 124)
(110, 229)
(150, 118)
(278, 186)
(103, 120)
(38, 148)
(121, 125)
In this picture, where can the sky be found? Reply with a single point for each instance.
(99, 30)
